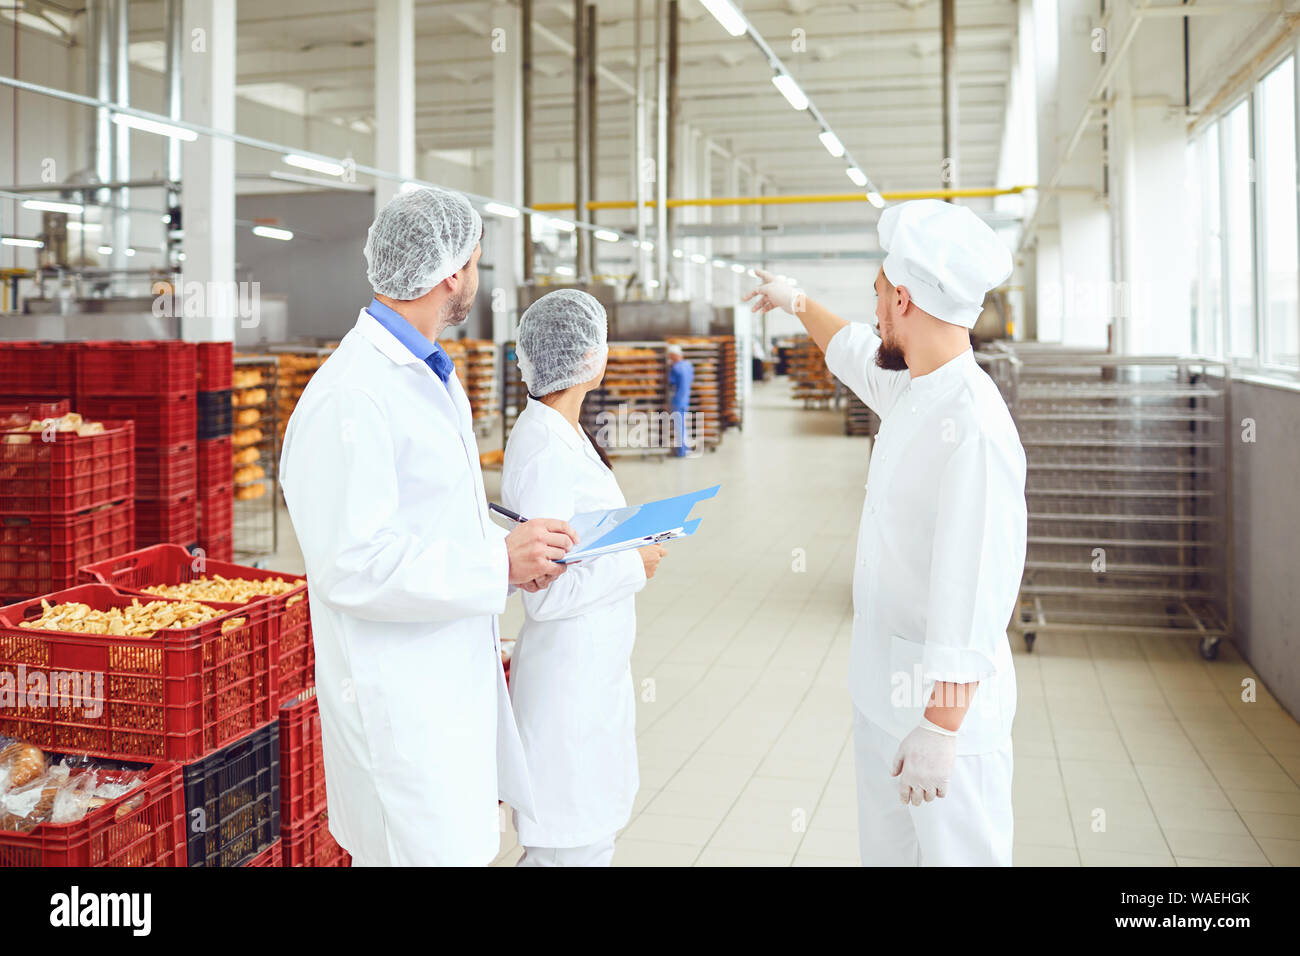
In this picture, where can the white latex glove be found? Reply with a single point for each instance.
(776, 292)
(923, 764)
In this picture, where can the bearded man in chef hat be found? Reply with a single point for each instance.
(941, 545)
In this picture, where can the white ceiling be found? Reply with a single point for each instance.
(872, 68)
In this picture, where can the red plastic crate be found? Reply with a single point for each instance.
(215, 462)
(171, 564)
(43, 553)
(220, 548)
(311, 844)
(216, 366)
(160, 422)
(142, 369)
(38, 368)
(167, 472)
(166, 522)
(271, 856)
(144, 827)
(71, 473)
(296, 654)
(21, 412)
(217, 512)
(302, 761)
(178, 695)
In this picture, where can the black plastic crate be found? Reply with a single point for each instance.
(215, 414)
(232, 800)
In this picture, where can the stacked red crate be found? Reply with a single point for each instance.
(216, 499)
(65, 498)
(154, 384)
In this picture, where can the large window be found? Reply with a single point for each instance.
(1238, 192)
(1279, 257)
(1207, 237)
(1246, 250)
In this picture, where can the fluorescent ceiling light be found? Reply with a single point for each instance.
(153, 126)
(318, 165)
(858, 176)
(84, 227)
(719, 264)
(105, 250)
(738, 269)
(832, 143)
(678, 254)
(790, 90)
(876, 199)
(22, 243)
(501, 209)
(50, 205)
(699, 259)
(563, 225)
(653, 283)
(725, 12)
(564, 271)
(607, 235)
(270, 232)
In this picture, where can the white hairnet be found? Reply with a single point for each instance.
(418, 239)
(561, 341)
(945, 255)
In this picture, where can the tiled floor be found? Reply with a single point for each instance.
(1127, 752)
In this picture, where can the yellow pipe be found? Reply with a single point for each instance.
(791, 200)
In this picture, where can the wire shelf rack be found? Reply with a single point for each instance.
(1128, 491)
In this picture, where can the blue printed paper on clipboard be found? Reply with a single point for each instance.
(635, 526)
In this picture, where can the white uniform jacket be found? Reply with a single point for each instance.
(570, 675)
(406, 574)
(941, 544)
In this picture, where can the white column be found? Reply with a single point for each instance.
(208, 198)
(740, 313)
(684, 214)
(507, 252)
(1081, 210)
(394, 94)
(704, 214)
(1149, 154)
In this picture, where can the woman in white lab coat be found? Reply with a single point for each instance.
(571, 681)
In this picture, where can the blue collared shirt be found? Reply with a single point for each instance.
(431, 353)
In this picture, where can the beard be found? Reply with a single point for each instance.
(889, 356)
(457, 310)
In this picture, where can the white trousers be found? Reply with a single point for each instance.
(599, 853)
(971, 826)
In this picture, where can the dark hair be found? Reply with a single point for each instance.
(596, 445)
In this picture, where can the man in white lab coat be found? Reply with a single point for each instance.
(941, 545)
(405, 572)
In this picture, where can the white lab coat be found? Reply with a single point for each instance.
(941, 549)
(406, 574)
(570, 676)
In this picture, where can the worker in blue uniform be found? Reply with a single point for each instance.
(680, 376)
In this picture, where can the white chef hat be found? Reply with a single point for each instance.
(945, 255)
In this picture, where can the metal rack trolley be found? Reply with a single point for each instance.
(256, 532)
(633, 384)
(1129, 493)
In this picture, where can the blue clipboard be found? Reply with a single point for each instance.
(635, 526)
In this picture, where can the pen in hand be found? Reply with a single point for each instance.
(506, 513)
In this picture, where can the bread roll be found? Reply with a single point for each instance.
(24, 761)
